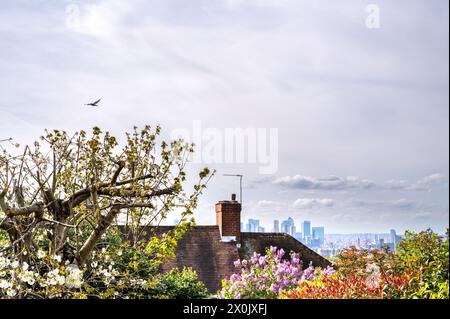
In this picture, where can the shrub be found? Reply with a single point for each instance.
(353, 286)
(177, 284)
(419, 269)
(428, 253)
(336, 286)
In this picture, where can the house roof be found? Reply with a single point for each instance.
(259, 242)
(201, 249)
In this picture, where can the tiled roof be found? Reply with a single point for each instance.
(259, 242)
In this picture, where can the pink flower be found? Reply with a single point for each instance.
(280, 253)
(234, 277)
(274, 288)
(262, 261)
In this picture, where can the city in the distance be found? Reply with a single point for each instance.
(317, 239)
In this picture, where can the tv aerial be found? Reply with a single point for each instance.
(240, 184)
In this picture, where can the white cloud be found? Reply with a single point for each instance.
(313, 202)
(400, 204)
(267, 204)
(394, 184)
(423, 214)
(429, 181)
(348, 183)
(424, 184)
(324, 183)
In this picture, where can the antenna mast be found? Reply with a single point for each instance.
(240, 184)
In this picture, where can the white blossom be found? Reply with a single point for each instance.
(11, 292)
(4, 284)
(41, 254)
(74, 277)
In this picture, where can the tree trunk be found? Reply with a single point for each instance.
(101, 228)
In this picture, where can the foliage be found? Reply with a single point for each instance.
(335, 286)
(419, 269)
(178, 284)
(62, 198)
(339, 286)
(429, 254)
(266, 276)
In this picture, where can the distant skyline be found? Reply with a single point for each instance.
(268, 228)
(362, 114)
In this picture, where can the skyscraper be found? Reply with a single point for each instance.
(253, 225)
(306, 229)
(394, 239)
(288, 226)
(276, 226)
(318, 234)
(393, 236)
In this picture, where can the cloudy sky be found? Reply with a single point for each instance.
(362, 113)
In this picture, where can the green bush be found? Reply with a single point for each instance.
(419, 268)
(429, 254)
(177, 284)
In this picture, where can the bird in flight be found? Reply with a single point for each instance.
(93, 103)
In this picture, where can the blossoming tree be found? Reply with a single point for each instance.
(61, 198)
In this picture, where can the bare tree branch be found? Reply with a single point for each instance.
(35, 208)
(102, 226)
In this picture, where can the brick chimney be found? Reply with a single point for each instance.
(228, 218)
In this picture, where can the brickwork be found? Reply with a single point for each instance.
(228, 218)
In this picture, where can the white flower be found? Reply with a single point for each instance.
(74, 278)
(11, 292)
(25, 265)
(15, 264)
(28, 277)
(54, 278)
(4, 262)
(4, 284)
(57, 258)
(41, 254)
(119, 253)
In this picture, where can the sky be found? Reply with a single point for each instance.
(360, 111)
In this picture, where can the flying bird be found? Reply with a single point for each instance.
(93, 103)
